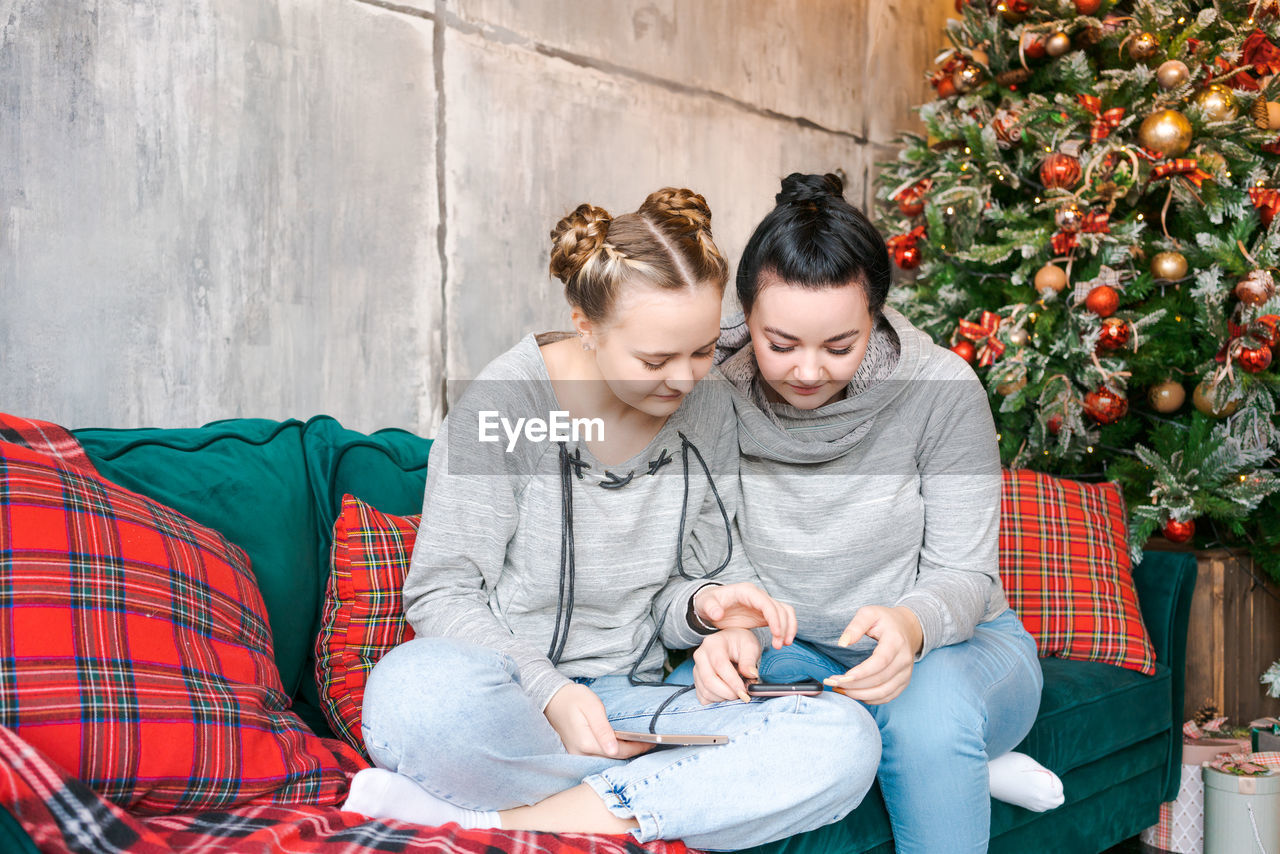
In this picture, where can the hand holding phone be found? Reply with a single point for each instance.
(807, 688)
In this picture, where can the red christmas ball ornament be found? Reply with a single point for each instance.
(1059, 170)
(911, 200)
(1102, 301)
(946, 87)
(1255, 360)
(1088, 7)
(1105, 406)
(1034, 46)
(965, 350)
(1265, 330)
(1115, 334)
(1054, 423)
(907, 256)
(1179, 532)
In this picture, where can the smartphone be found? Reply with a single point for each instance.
(670, 738)
(810, 687)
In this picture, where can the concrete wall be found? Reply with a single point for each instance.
(273, 208)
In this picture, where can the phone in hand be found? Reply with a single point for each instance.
(807, 688)
(670, 738)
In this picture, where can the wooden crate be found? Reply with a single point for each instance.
(1233, 636)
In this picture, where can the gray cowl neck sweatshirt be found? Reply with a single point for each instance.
(890, 496)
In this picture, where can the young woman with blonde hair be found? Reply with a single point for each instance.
(545, 573)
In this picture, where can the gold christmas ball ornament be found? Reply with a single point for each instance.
(1172, 74)
(967, 78)
(1166, 132)
(1256, 288)
(1167, 397)
(1169, 266)
(1217, 103)
(1206, 401)
(1143, 46)
(1057, 44)
(980, 56)
(1050, 279)
(1019, 337)
(1069, 218)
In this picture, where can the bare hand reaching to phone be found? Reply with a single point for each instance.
(578, 717)
(887, 671)
(721, 662)
(746, 606)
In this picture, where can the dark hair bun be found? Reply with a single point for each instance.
(798, 187)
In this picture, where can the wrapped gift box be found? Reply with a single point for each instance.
(1265, 735)
(1241, 813)
(1181, 826)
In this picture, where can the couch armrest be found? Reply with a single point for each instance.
(1165, 582)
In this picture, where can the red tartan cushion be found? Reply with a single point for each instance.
(135, 653)
(363, 609)
(1064, 561)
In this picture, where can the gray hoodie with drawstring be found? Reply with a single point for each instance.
(487, 563)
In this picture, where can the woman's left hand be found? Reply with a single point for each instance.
(887, 671)
(746, 606)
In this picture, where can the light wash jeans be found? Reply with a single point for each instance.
(453, 717)
(966, 703)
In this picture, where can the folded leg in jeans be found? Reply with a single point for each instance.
(453, 717)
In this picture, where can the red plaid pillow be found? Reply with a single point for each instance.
(134, 651)
(363, 609)
(1065, 565)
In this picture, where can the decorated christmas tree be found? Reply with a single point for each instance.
(1089, 222)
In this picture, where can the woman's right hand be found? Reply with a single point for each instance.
(721, 662)
(578, 717)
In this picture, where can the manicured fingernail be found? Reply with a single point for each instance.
(844, 641)
(744, 696)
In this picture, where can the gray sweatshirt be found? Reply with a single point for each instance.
(888, 497)
(487, 562)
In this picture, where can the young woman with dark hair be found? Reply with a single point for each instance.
(545, 571)
(870, 501)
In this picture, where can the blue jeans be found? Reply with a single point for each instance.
(453, 717)
(966, 703)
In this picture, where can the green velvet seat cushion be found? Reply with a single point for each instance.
(246, 478)
(1089, 709)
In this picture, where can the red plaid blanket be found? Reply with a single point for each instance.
(64, 816)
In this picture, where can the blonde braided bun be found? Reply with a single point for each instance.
(576, 238)
(665, 244)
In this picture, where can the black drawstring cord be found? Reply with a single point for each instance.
(685, 447)
(568, 466)
(612, 481)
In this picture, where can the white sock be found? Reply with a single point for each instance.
(379, 793)
(1020, 780)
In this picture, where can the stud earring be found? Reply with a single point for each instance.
(586, 342)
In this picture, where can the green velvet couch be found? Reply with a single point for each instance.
(275, 488)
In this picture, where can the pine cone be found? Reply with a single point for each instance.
(1013, 77)
(1207, 712)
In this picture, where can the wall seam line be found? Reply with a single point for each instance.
(443, 17)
